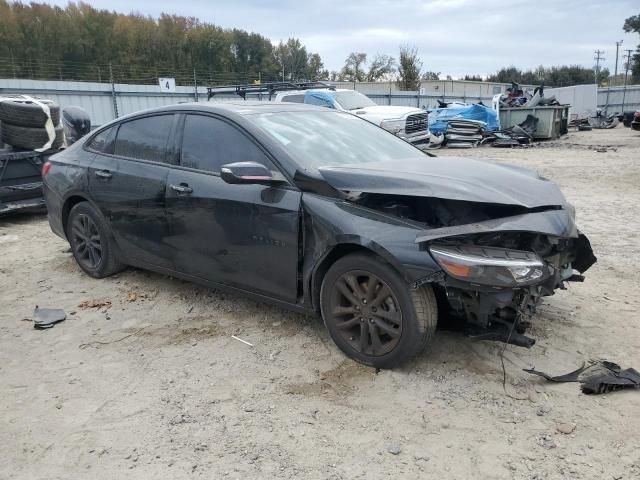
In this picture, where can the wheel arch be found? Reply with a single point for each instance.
(340, 250)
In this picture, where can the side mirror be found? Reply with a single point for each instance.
(246, 173)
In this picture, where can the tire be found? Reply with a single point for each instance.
(30, 138)
(404, 321)
(85, 221)
(28, 114)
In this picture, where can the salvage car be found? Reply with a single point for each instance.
(321, 212)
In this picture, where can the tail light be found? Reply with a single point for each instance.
(45, 168)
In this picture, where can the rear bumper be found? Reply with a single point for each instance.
(25, 205)
(54, 211)
(22, 197)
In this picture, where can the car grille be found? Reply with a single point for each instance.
(416, 123)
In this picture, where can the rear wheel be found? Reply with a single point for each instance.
(371, 313)
(91, 242)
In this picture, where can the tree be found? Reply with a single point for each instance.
(409, 69)
(382, 67)
(315, 68)
(473, 78)
(632, 25)
(431, 76)
(354, 67)
(558, 76)
(35, 43)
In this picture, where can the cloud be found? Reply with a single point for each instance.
(452, 36)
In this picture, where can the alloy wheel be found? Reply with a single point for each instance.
(86, 241)
(366, 313)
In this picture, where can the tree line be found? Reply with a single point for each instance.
(79, 41)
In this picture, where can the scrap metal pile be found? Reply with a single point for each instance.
(467, 126)
(461, 126)
(517, 97)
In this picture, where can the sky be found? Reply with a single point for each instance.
(454, 37)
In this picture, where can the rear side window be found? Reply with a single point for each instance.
(104, 141)
(145, 138)
(319, 100)
(299, 98)
(209, 143)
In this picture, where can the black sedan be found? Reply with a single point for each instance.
(321, 212)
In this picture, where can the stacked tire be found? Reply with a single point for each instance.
(22, 124)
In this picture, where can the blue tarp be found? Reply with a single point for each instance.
(439, 117)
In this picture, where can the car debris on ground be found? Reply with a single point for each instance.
(44, 318)
(597, 377)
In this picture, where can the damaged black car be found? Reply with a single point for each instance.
(321, 212)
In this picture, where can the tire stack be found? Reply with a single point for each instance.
(22, 124)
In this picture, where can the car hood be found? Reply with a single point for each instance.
(388, 111)
(453, 178)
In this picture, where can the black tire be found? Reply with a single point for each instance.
(30, 138)
(397, 341)
(28, 114)
(86, 222)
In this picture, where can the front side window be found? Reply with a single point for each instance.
(352, 100)
(145, 138)
(208, 143)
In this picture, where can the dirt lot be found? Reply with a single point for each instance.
(155, 387)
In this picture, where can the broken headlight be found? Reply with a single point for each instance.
(497, 267)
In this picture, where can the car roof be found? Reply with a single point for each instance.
(239, 107)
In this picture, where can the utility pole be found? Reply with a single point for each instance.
(598, 59)
(626, 72)
(195, 84)
(615, 74)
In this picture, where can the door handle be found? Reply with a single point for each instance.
(103, 174)
(182, 188)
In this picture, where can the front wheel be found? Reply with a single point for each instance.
(372, 314)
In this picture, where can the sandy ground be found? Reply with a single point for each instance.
(182, 399)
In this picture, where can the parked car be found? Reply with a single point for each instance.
(22, 126)
(635, 123)
(408, 123)
(22, 130)
(321, 212)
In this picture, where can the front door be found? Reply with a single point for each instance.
(244, 236)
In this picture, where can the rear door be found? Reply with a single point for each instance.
(127, 180)
(245, 236)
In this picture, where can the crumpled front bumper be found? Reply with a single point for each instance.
(487, 305)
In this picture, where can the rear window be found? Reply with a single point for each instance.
(103, 142)
(298, 98)
(145, 138)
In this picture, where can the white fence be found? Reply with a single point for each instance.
(105, 101)
(619, 99)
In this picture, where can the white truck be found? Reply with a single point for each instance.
(408, 123)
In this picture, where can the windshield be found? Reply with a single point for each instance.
(351, 100)
(321, 139)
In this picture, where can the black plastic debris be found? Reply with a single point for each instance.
(44, 318)
(597, 377)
